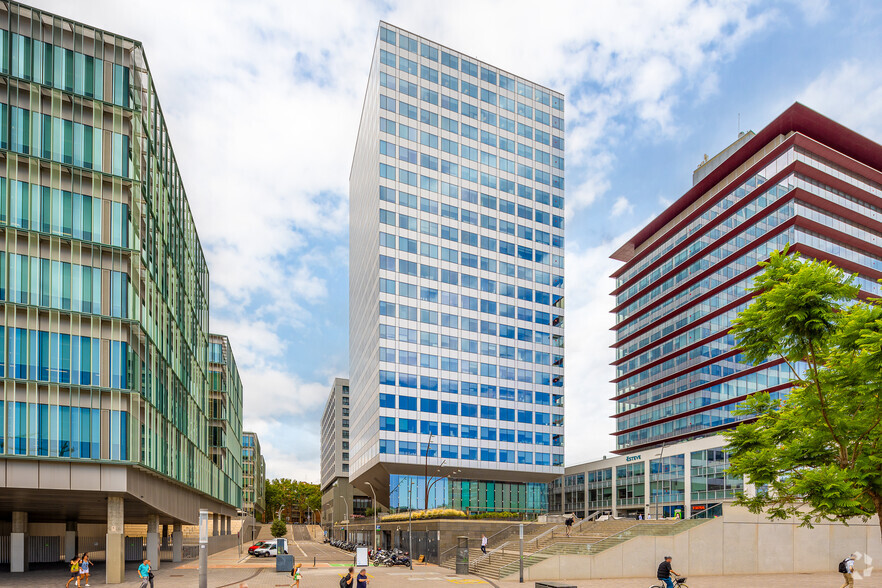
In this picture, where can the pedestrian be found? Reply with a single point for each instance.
(74, 572)
(362, 579)
(85, 566)
(295, 576)
(569, 525)
(484, 543)
(846, 568)
(640, 517)
(346, 581)
(144, 574)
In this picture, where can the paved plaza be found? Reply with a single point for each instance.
(229, 569)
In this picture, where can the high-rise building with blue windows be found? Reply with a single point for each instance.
(456, 282)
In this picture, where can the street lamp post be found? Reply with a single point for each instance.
(661, 466)
(410, 526)
(347, 515)
(375, 515)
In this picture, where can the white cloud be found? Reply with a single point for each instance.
(587, 370)
(621, 206)
(262, 102)
(851, 94)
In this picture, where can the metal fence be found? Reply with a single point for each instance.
(44, 549)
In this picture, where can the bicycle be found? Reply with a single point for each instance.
(679, 582)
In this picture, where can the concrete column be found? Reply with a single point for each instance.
(18, 542)
(229, 525)
(613, 504)
(70, 540)
(215, 523)
(115, 554)
(153, 540)
(178, 543)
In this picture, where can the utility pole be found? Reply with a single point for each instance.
(375, 516)
(409, 526)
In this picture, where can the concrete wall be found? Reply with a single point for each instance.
(739, 543)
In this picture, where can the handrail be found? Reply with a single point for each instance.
(596, 547)
(697, 514)
(489, 539)
(503, 545)
(592, 517)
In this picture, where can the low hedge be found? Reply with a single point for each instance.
(422, 515)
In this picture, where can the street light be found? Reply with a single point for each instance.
(375, 515)
(347, 515)
(661, 467)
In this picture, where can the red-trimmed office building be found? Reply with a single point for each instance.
(804, 180)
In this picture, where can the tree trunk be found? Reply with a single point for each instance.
(877, 501)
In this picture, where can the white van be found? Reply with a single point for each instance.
(270, 549)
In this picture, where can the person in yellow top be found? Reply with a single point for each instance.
(74, 572)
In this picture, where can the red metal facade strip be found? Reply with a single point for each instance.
(698, 277)
(720, 380)
(701, 210)
(797, 118)
(740, 229)
(681, 351)
(702, 409)
(671, 440)
(684, 328)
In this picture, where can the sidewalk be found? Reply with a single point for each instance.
(184, 576)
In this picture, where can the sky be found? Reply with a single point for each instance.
(262, 100)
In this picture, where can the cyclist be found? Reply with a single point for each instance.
(665, 571)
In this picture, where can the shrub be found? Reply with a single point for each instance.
(422, 515)
(495, 515)
(278, 528)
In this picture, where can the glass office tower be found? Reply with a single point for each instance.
(103, 283)
(456, 282)
(803, 180)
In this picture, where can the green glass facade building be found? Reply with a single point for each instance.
(107, 368)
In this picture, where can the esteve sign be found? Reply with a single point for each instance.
(632, 458)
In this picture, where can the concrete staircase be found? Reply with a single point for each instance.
(587, 538)
(531, 531)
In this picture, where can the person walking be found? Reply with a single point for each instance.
(846, 568)
(569, 525)
(484, 543)
(74, 572)
(346, 581)
(85, 566)
(145, 574)
(295, 576)
(362, 579)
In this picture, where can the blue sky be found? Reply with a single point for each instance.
(262, 100)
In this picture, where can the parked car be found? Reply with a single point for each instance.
(256, 546)
(270, 549)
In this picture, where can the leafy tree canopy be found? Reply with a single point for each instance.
(815, 454)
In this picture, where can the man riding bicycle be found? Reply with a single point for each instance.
(665, 571)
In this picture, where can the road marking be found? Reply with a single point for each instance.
(300, 548)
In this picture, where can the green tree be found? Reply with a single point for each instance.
(817, 454)
(278, 528)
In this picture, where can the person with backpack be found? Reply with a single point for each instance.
(296, 576)
(347, 580)
(846, 568)
(74, 572)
